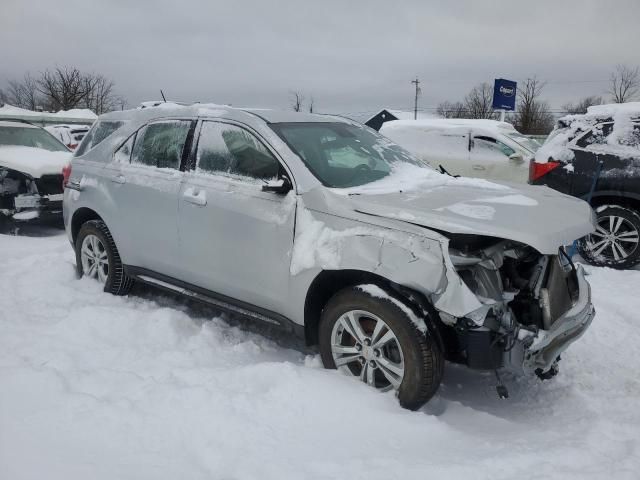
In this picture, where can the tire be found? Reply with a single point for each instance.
(115, 279)
(422, 360)
(615, 243)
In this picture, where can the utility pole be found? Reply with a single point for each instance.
(416, 82)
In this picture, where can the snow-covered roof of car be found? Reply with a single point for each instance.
(76, 114)
(170, 109)
(570, 127)
(438, 123)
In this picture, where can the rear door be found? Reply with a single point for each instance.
(235, 239)
(145, 179)
(495, 160)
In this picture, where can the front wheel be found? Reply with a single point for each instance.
(373, 339)
(615, 242)
(97, 257)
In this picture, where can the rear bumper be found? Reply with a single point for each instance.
(540, 354)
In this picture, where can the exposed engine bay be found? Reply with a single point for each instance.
(523, 294)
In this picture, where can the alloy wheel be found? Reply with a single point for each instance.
(615, 238)
(364, 346)
(95, 261)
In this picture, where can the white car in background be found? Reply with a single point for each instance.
(471, 148)
(70, 135)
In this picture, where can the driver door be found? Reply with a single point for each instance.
(236, 240)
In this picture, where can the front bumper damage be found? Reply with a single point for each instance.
(521, 309)
(538, 353)
(29, 207)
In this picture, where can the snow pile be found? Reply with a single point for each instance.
(101, 387)
(34, 161)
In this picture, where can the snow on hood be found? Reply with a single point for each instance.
(33, 161)
(406, 177)
(536, 216)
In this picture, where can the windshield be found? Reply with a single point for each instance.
(342, 155)
(525, 142)
(30, 137)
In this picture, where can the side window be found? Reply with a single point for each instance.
(488, 143)
(123, 154)
(233, 151)
(161, 144)
(596, 136)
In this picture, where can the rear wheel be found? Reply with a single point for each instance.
(615, 243)
(97, 257)
(373, 339)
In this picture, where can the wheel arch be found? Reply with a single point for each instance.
(328, 282)
(623, 199)
(81, 216)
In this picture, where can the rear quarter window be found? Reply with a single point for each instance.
(99, 131)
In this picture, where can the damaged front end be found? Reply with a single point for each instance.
(530, 306)
(23, 197)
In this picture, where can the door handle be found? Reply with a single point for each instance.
(197, 198)
(478, 167)
(118, 179)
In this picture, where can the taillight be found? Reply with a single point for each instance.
(66, 173)
(72, 146)
(537, 170)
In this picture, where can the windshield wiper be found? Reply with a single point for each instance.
(444, 170)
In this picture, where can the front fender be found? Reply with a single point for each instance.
(326, 242)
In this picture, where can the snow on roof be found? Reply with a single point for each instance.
(618, 142)
(441, 123)
(612, 109)
(76, 114)
(167, 109)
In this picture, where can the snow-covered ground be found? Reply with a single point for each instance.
(94, 386)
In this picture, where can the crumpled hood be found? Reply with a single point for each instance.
(536, 216)
(33, 161)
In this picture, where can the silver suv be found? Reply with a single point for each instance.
(324, 228)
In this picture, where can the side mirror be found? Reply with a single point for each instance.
(516, 157)
(281, 186)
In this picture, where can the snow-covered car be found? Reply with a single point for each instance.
(471, 148)
(596, 156)
(322, 227)
(31, 164)
(70, 135)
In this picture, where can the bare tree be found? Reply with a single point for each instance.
(582, 105)
(24, 93)
(297, 100)
(63, 88)
(100, 96)
(311, 104)
(3, 98)
(451, 110)
(533, 116)
(478, 102)
(625, 83)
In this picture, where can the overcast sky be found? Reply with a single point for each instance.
(351, 55)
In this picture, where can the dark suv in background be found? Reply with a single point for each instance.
(596, 157)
